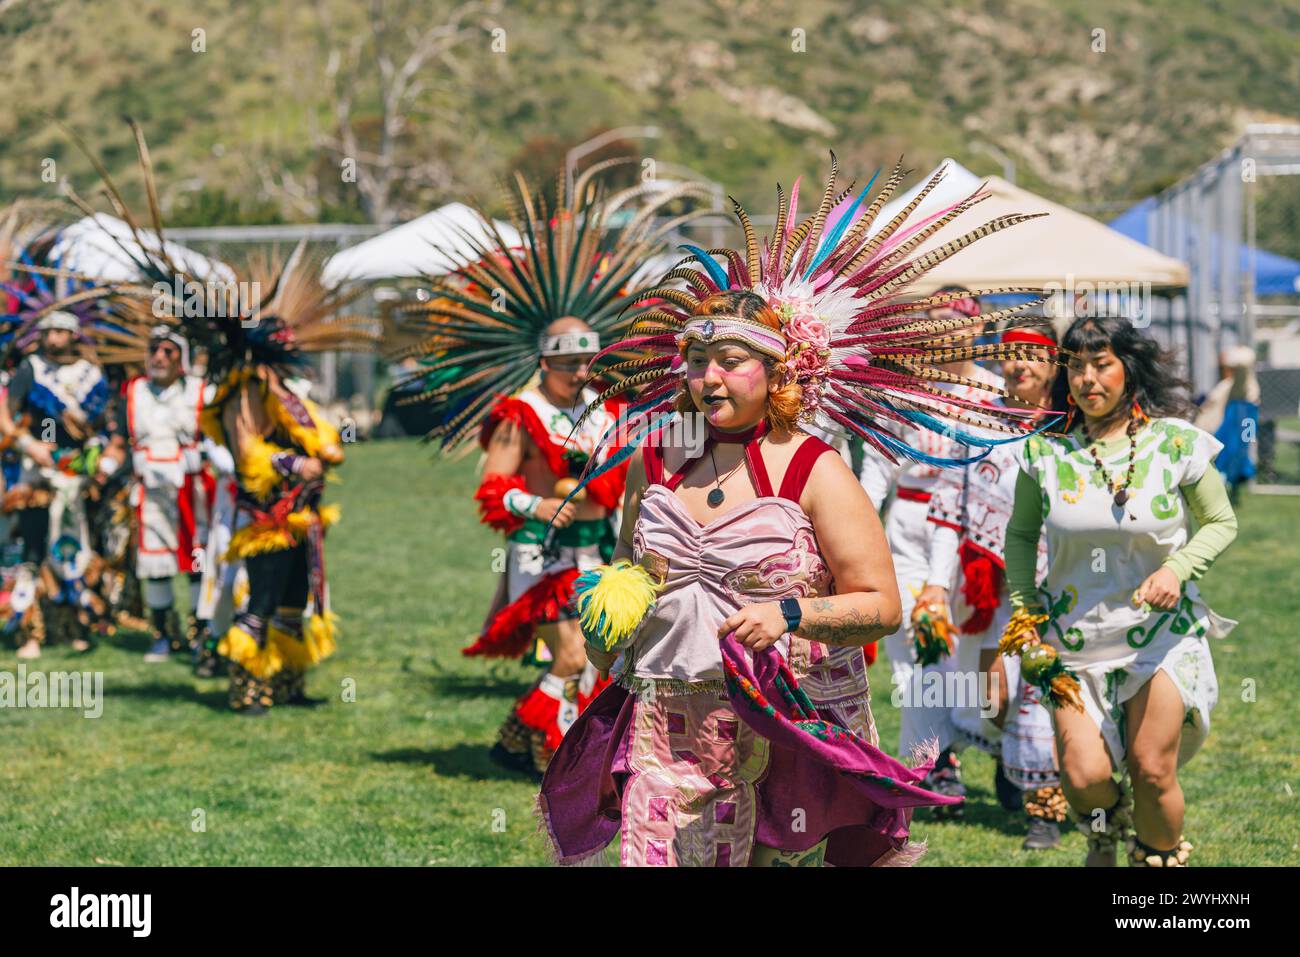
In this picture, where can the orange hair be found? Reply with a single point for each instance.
(784, 403)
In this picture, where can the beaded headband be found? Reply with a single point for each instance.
(707, 329)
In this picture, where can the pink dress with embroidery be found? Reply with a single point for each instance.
(694, 765)
(702, 749)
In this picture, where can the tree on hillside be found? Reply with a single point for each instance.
(382, 86)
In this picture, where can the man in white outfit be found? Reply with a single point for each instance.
(160, 418)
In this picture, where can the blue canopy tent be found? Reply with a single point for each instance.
(1274, 275)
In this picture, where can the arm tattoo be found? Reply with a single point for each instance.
(505, 434)
(845, 628)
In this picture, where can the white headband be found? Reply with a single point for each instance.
(58, 319)
(164, 332)
(570, 343)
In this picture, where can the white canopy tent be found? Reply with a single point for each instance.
(416, 248)
(1065, 248)
(653, 269)
(83, 247)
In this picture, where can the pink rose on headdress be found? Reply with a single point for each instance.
(809, 362)
(807, 328)
(809, 353)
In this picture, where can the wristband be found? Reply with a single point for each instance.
(518, 502)
(793, 614)
(24, 441)
(287, 463)
(107, 464)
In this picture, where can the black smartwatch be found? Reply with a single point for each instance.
(792, 612)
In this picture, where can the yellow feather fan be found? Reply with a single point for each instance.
(612, 601)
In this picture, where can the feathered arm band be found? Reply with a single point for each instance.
(288, 463)
(491, 497)
(612, 601)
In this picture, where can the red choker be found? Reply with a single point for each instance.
(739, 438)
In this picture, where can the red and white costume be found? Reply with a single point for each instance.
(170, 496)
(538, 582)
(910, 535)
(970, 509)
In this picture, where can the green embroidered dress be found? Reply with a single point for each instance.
(1099, 553)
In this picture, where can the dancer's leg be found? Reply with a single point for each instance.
(1155, 720)
(1089, 785)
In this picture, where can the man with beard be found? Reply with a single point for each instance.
(53, 416)
(160, 418)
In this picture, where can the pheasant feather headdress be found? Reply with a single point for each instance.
(481, 331)
(865, 354)
(273, 316)
(34, 284)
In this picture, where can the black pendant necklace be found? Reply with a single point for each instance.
(716, 496)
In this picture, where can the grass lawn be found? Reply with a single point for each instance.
(400, 775)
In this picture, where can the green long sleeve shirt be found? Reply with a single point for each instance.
(1206, 499)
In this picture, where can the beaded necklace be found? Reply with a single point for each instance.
(1118, 491)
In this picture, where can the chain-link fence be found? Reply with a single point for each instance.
(1236, 222)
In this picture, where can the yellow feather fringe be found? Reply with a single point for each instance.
(257, 540)
(311, 648)
(241, 648)
(210, 415)
(293, 649)
(319, 632)
(210, 423)
(261, 537)
(321, 440)
(612, 601)
(255, 469)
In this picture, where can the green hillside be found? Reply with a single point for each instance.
(744, 91)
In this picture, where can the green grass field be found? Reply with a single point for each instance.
(400, 776)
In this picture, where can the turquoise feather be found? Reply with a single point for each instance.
(716, 272)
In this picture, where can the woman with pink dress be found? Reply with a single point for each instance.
(737, 730)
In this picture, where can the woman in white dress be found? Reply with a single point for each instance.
(1119, 610)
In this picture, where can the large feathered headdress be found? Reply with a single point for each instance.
(34, 284)
(481, 330)
(865, 354)
(273, 316)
